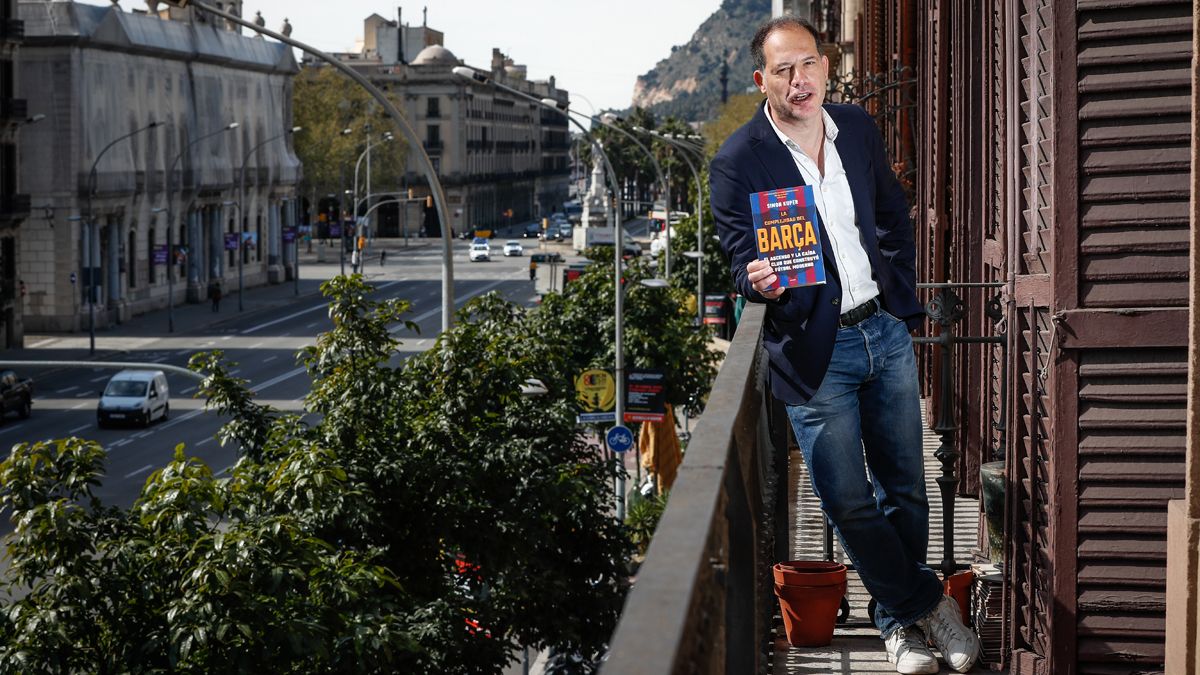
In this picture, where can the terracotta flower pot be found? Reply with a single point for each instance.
(958, 586)
(808, 573)
(809, 596)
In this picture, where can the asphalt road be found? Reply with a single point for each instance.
(263, 340)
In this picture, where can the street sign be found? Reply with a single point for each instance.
(231, 241)
(72, 277)
(646, 396)
(160, 255)
(289, 235)
(596, 394)
(619, 439)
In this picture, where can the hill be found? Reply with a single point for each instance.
(687, 84)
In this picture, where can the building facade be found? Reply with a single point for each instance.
(14, 204)
(1049, 150)
(138, 152)
(501, 159)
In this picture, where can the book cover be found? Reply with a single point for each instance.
(787, 234)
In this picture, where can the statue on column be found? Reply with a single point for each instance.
(259, 20)
(152, 6)
(286, 31)
(595, 203)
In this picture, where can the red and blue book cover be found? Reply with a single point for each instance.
(787, 234)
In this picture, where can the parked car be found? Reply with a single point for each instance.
(137, 396)
(566, 230)
(17, 393)
(513, 247)
(480, 252)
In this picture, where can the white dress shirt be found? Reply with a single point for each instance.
(835, 203)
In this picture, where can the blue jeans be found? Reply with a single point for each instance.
(866, 416)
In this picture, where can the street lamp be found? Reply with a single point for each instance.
(91, 228)
(435, 186)
(241, 209)
(699, 253)
(171, 224)
(608, 120)
(387, 136)
(618, 247)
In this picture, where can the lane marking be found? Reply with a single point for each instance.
(79, 429)
(302, 312)
(210, 439)
(83, 393)
(459, 300)
(183, 352)
(43, 342)
(99, 379)
(77, 407)
(188, 390)
(312, 324)
(117, 444)
(143, 434)
(144, 469)
(65, 390)
(270, 358)
(256, 345)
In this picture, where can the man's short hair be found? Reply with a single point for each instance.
(764, 31)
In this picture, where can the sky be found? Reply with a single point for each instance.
(596, 50)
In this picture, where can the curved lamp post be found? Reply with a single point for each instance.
(91, 227)
(435, 186)
(609, 120)
(671, 140)
(354, 197)
(241, 209)
(618, 248)
(171, 224)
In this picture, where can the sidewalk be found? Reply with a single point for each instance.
(194, 319)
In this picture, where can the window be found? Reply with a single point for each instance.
(150, 244)
(433, 136)
(433, 107)
(131, 251)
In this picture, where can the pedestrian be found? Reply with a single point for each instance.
(840, 353)
(382, 258)
(354, 260)
(532, 270)
(214, 294)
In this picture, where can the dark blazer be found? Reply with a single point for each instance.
(801, 326)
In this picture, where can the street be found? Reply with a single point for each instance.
(263, 340)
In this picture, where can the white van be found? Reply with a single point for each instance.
(138, 396)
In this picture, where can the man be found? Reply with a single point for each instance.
(840, 355)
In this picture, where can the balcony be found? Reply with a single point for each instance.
(12, 31)
(433, 147)
(14, 109)
(703, 601)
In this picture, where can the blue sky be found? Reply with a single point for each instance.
(596, 50)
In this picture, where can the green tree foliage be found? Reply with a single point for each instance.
(425, 517)
(737, 111)
(660, 330)
(325, 103)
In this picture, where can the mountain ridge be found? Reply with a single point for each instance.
(687, 83)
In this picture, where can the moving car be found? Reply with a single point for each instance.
(480, 251)
(138, 396)
(531, 230)
(540, 258)
(513, 247)
(16, 394)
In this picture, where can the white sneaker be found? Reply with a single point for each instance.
(957, 643)
(906, 648)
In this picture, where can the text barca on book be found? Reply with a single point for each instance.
(787, 236)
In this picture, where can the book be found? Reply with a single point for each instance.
(787, 234)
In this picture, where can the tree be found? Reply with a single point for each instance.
(423, 516)
(326, 102)
(660, 330)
